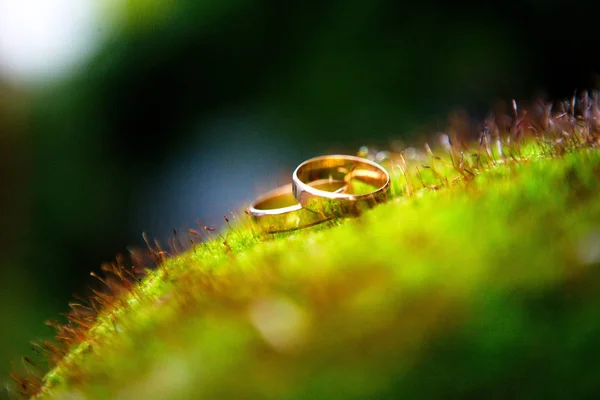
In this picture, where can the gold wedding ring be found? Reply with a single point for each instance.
(278, 210)
(371, 177)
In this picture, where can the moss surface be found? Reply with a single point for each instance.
(480, 278)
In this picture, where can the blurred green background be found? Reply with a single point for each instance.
(124, 116)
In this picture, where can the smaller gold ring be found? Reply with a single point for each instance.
(337, 204)
(278, 210)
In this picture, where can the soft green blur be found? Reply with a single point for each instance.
(314, 77)
(478, 288)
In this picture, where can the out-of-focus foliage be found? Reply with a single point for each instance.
(80, 157)
(477, 279)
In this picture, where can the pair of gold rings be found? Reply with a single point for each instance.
(322, 188)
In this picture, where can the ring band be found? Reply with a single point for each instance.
(330, 204)
(279, 211)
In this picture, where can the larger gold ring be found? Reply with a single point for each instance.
(329, 204)
(278, 210)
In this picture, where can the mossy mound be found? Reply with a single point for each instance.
(480, 278)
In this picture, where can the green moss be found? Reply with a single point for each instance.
(479, 280)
